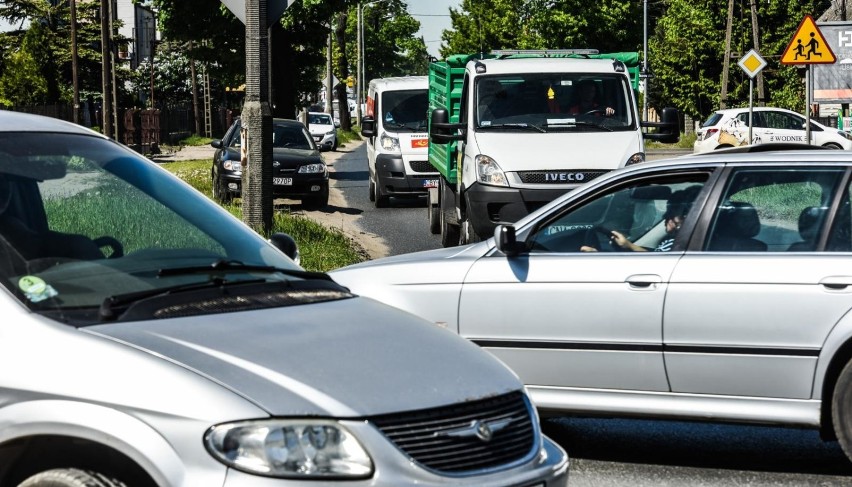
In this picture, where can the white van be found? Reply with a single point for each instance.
(397, 139)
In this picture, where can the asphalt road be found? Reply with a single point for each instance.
(625, 452)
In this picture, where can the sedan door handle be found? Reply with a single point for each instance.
(643, 280)
(836, 282)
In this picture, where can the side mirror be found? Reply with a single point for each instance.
(286, 244)
(507, 243)
(669, 127)
(216, 143)
(368, 127)
(441, 131)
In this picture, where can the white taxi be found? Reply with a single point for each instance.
(729, 128)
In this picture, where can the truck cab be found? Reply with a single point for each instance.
(396, 130)
(525, 129)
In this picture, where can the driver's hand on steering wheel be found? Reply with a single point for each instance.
(586, 248)
(609, 111)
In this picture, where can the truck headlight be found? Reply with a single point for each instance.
(304, 448)
(390, 144)
(488, 172)
(312, 168)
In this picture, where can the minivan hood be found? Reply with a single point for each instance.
(343, 358)
(558, 150)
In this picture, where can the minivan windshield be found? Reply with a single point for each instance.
(546, 102)
(84, 220)
(404, 110)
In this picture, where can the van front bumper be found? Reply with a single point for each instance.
(394, 179)
(488, 206)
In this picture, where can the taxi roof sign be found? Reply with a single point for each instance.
(752, 63)
(808, 46)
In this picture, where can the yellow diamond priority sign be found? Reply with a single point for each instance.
(808, 46)
(752, 63)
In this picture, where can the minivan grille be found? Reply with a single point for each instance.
(558, 177)
(422, 166)
(455, 439)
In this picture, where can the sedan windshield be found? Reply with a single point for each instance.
(84, 219)
(553, 102)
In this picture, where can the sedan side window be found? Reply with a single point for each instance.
(773, 210)
(639, 215)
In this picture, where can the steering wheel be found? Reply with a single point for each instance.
(114, 244)
(601, 238)
(592, 112)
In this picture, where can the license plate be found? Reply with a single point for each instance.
(430, 183)
(282, 181)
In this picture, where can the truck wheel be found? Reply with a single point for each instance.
(70, 477)
(841, 409)
(449, 224)
(372, 189)
(380, 200)
(434, 213)
(468, 236)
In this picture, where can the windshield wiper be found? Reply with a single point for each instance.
(580, 122)
(527, 126)
(224, 266)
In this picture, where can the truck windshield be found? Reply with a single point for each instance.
(405, 110)
(554, 102)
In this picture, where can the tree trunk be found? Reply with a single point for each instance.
(342, 72)
(196, 113)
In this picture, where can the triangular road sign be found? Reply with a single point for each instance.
(808, 46)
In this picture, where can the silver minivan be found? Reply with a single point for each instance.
(149, 338)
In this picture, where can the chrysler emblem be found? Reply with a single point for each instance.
(482, 430)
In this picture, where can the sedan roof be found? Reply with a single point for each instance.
(25, 122)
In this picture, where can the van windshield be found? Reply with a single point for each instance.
(551, 102)
(405, 111)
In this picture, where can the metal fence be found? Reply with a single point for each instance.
(142, 129)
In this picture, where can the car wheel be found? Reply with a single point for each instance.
(380, 200)
(832, 145)
(224, 195)
(841, 409)
(70, 477)
(434, 211)
(316, 202)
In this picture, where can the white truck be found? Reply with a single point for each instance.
(512, 130)
(395, 127)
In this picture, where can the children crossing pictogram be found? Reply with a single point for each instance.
(808, 46)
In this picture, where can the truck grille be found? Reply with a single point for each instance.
(558, 177)
(453, 439)
(422, 166)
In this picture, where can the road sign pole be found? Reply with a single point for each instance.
(750, 107)
(808, 78)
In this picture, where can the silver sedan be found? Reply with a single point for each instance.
(713, 287)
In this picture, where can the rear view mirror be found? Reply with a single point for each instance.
(441, 131)
(368, 127)
(506, 239)
(668, 127)
(653, 192)
(286, 244)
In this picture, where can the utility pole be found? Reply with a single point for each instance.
(106, 69)
(195, 112)
(257, 121)
(359, 72)
(73, 6)
(328, 108)
(723, 99)
(112, 57)
(755, 32)
(645, 75)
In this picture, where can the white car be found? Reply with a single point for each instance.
(323, 129)
(729, 128)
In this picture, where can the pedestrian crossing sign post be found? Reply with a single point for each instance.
(752, 63)
(808, 46)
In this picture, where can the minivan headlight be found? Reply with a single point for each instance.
(390, 144)
(298, 448)
(488, 172)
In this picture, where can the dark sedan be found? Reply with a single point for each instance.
(298, 170)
